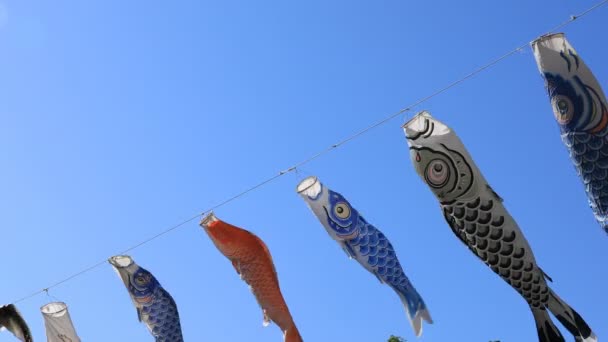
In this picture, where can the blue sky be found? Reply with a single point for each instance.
(122, 118)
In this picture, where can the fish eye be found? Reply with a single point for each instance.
(563, 109)
(437, 173)
(342, 210)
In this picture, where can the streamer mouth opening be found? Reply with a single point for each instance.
(424, 125)
(417, 125)
(208, 219)
(121, 261)
(546, 37)
(55, 309)
(310, 187)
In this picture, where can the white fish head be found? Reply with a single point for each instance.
(140, 283)
(577, 100)
(439, 157)
(334, 212)
(124, 266)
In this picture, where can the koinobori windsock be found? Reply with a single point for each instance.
(251, 259)
(11, 320)
(476, 215)
(581, 110)
(58, 323)
(155, 306)
(365, 243)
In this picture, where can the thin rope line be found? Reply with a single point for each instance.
(320, 153)
(55, 299)
(593, 8)
(154, 237)
(33, 294)
(446, 88)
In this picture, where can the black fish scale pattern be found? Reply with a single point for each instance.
(589, 153)
(483, 232)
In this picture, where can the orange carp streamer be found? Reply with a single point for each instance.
(252, 261)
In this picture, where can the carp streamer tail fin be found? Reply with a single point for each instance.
(419, 315)
(570, 319)
(547, 331)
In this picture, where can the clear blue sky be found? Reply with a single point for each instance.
(122, 118)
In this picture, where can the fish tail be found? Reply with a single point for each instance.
(411, 299)
(570, 319)
(547, 331)
(292, 334)
(11, 320)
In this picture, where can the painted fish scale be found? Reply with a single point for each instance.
(485, 233)
(374, 251)
(265, 286)
(589, 153)
(155, 306)
(581, 110)
(162, 317)
(252, 260)
(476, 215)
(364, 243)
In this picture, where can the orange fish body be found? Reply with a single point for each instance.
(253, 262)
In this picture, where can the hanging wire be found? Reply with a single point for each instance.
(322, 152)
(53, 298)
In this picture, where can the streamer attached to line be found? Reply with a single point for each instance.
(155, 306)
(365, 243)
(11, 319)
(58, 323)
(251, 259)
(581, 110)
(476, 215)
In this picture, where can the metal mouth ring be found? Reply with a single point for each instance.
(121, 261)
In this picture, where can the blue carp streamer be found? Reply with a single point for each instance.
(581, 111)
(155, 306)
(364, 243)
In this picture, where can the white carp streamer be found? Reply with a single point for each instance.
(58, 323)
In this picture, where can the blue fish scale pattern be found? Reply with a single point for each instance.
(162, 317)
(378, 253)
(589, 153)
